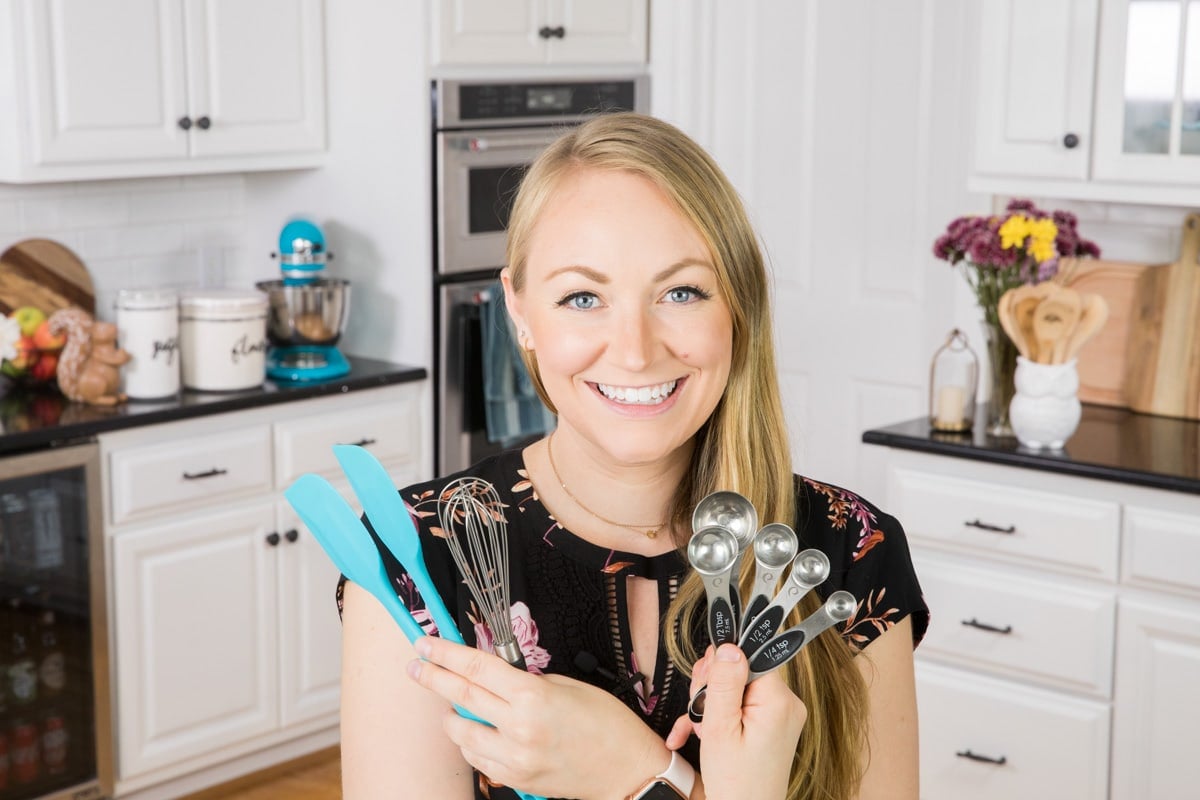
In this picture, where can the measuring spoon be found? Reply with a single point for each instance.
(713, 553)
(736, 514)
(775, 546)
(784, 647)
(810, 568)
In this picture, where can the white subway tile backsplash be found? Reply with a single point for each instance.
(10, 217)
(99, 211)
(1140, 243)
(182, 204)
(41, 214)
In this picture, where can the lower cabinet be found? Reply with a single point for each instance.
(225, 634)
(1063, 652)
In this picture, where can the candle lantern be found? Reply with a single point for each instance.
(953, 380)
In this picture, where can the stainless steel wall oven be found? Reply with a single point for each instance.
(485, 134)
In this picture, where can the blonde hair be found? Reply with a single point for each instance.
(744, 445)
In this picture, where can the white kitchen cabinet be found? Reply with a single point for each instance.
(160, 87)
(530, 32)
(1034, 104)
(1148, 92)
(225, 635)
(1088, 99)
(1065, 616)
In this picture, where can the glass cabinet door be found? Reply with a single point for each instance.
(1148, 92)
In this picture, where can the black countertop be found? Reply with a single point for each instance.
(1111, 444)
(32, 420)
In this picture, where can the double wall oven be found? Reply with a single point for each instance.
(485, 134)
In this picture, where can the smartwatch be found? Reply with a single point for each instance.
(673, 783)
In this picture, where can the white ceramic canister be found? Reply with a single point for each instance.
(223, 339)
(148, 329)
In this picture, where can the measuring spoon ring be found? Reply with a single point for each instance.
(810, 568)
(713, 553)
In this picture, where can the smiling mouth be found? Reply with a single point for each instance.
(638, 395)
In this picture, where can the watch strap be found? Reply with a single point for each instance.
(679, 775)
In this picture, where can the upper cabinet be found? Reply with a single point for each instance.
(532, 32)
(130, 88)
(1089, 99)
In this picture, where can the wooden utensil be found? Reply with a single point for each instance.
(1163, 357)
(1024, 303)
(1008, 321)
(1053, 321)
(46, 275)
(1092, 317)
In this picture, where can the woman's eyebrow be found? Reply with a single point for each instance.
(682, 264)
(599, 277)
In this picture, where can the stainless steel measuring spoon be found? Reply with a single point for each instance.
(736, 514)
(783, 648)
(712, 552)
(775, 546)
(810, 568)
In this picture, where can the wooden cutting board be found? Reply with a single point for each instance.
(46, 275)
(1102, 358)
(1162, 363)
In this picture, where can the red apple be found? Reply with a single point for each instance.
(44, 368)
(44, 339)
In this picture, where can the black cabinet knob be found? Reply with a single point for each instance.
(546, 32)
(1070, 141)
(559, 32)
(185, 123)
(204, 123)
(272, 538)
(291, 535)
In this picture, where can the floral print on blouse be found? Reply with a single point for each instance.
(569, 604)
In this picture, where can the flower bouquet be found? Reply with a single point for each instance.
(998, 253)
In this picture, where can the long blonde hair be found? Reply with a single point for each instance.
(744, 445)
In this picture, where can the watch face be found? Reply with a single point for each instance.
(660, 790)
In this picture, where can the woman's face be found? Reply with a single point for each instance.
(621, 305)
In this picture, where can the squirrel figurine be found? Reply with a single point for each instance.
(88, 368)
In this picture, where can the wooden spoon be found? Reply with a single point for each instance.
(1053, 321)
(1008, 321)
(1092, 317)
(1024, 303)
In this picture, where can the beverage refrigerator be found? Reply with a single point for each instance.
(55, 703)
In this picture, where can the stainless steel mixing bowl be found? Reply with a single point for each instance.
(312, 314)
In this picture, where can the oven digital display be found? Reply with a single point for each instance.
(548, 98)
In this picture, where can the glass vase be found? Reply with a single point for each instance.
(1002, 361)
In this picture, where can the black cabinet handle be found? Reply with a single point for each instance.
(983, 626)
(273, 538)
(212, 473)
(363, 443)
(204, 123)
(185, 123)
(983, 526)
(291, 535)
(986, 759)
(1070, 141)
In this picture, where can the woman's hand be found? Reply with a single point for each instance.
(749, 734)
(553, 735)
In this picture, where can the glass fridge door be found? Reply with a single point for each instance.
(55, 737)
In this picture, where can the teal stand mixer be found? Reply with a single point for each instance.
(307, 310)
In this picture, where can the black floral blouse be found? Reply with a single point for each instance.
(569, 607)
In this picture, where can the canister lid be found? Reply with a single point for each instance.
(223, 303)
(147, 299)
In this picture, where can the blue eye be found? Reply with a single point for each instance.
(686, 294)
(581, 301)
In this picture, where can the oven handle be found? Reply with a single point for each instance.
(483, 144)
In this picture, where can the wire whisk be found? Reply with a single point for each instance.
(471, 513)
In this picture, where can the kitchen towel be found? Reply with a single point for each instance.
(513, 409)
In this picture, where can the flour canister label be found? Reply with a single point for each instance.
(223, 339)
(148, 329)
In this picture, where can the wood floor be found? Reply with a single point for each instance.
(314, 777)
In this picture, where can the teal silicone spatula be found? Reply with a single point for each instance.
(392, 523)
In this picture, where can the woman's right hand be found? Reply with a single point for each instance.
(749, 734)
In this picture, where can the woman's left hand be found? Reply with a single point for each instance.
(552, 735)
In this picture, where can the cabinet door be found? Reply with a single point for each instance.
(310, 633)
(1157, 705)
(195, 611)
(608, 32)
(256, 76)
(489, 31)
(106, 80)
(1034, 92)
(1148, 92)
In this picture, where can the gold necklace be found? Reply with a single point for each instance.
(649, 531)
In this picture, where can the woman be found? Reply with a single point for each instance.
(640, 299)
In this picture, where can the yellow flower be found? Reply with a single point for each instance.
(1042, 234)
(1013, 231)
